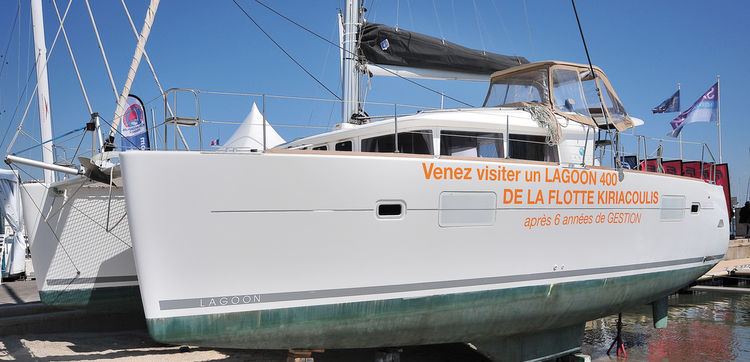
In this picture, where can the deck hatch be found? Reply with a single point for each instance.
(467, 209)
(672, 208)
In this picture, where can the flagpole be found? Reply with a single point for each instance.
(718, 99)
(679, 109)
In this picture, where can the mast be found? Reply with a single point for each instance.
(45, 118)
(139, 49)
(679, 110)
(718, 106)
(350, 78)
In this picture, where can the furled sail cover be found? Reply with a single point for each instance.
(381, 44)
(10, 199)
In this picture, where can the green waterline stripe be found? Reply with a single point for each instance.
(89, 280)
(398, 288)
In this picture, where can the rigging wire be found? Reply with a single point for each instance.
(479, 28)
(339, 47)
(455, 24)
(20, 98)
(614, 139)
(46, 62)
(371, 8)
(437, 19)
(10, 38)
(72, 58)
(528, 28)
(505, 30)
(145, 55)
(101, 48)
(411, 18)
(285, 52)
(398, 10)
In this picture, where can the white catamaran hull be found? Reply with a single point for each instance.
(290, 251)
(80, 244)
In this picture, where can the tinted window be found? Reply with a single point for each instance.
(530, 86)
(344, 146)
(320, 148)
(528, 147)
(471, 144)
(416, 142)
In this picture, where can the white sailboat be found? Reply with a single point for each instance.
(494, 226)
(78, 227)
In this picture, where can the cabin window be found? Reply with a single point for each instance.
(343, 146)
(471, 144)
(531, 147)
(414, 142)
(615, 110)
(320, 148)
(566, 89)
(530, 86)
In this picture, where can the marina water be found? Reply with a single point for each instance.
(702, 327)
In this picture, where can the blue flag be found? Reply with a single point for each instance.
(671, 104)
(705, 109)
(134, 127)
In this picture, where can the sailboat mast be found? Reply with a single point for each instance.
(350, 86)
(139, 49)
(45, 118)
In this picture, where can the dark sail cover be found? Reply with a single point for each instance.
(384, 45)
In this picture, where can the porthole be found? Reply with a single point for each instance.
(388, 209)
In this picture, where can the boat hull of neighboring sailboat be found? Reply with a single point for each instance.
(306, 249)
(80, 244)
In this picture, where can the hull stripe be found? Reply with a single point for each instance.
(89, 280)
(398, 288)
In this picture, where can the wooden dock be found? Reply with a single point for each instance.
(737, 260)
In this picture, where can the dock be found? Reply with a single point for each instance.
(32, 330)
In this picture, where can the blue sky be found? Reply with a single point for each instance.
(645, 47)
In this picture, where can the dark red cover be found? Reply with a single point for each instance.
(673, 167)
(691, 169)
(650, 165)
(722, 179)
(708, 172)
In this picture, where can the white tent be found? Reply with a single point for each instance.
(250, 133)
(14, 249)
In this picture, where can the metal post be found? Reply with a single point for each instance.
(638, 152)
(264, 122)
(93, 138)
(45, 118)
(153, 131)
(585, 145)
(395, 126)
(176, 125)
(350, 79)
(678, 112)
(718, 100)
(703, 153)
(506, 144)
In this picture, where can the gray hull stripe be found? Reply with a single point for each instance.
(89, 280)
(221, 301)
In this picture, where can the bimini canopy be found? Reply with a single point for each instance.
(403, 49)
(569, 89)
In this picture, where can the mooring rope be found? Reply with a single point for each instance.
(547, 120)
